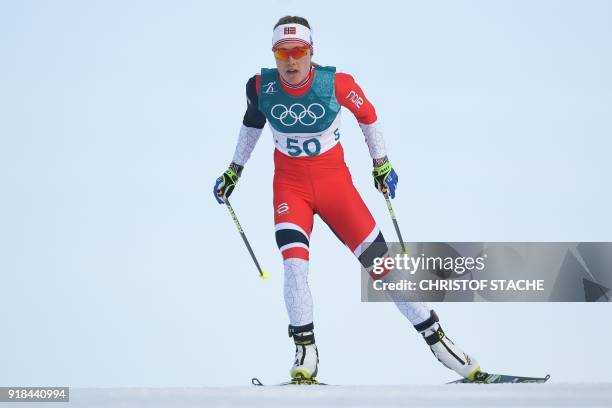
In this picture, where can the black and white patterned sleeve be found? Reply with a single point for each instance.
(252, 125)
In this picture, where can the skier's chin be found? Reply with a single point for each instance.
(292, 76)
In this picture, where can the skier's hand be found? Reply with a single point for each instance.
(225, 184)
(385, 178)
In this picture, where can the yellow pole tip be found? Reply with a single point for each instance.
(264, 275)
(404, 250)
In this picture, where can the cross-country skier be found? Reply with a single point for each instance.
(301, 101)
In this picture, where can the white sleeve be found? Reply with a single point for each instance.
(247, 139)
(374, 139)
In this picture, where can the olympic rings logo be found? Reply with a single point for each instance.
(297, 112)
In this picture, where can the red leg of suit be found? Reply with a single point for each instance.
(321, 184)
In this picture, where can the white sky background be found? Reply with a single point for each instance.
(118, 268)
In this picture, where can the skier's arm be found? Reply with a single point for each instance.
(252, 126)
(351, 96)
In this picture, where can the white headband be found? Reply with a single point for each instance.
(291, 33)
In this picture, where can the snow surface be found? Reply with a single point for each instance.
(459, 395)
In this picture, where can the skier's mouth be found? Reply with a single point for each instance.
(292, 71)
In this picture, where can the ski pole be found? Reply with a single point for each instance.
(262, 274)
(397, 230)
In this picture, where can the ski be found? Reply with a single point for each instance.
(295, 381)
(480, 378)
(486, 378)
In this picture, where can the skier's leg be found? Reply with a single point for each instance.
(293, 224)
(354, 225)
(415, 312)
(350, 219)
(293, 217)
(296, 291)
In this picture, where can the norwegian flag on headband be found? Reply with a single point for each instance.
(291, 33)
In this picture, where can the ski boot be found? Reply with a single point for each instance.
(306, 363)
(446, 351)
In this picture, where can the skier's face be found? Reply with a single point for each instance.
(291, 69)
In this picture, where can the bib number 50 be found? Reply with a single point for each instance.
(311, 147)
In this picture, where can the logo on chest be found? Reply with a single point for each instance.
(298, 113)
(269, 88)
